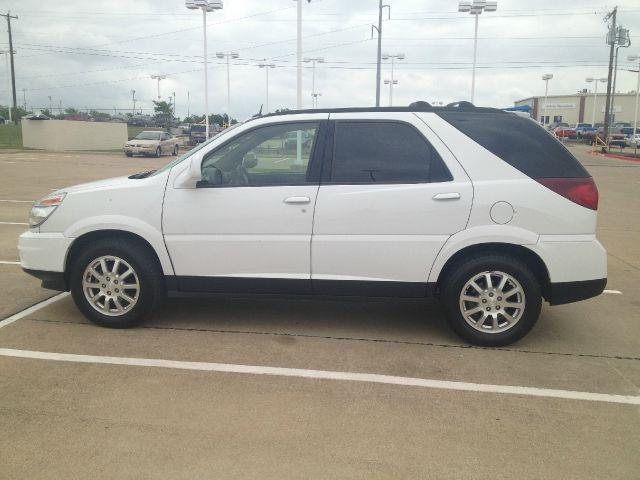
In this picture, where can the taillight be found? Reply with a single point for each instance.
(582, 191)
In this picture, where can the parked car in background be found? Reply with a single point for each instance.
(479, 207)
(616, 137)
(582, 128)
(634, 141)
(565, 132)
(151, 142)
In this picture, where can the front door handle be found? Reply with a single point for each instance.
(447, 196)
(297, 200)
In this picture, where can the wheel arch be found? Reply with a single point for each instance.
(522, 253)
(80, 242)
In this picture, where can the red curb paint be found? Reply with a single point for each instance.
(619, 157)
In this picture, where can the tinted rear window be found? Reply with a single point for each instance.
(384, 152)
(520, 142)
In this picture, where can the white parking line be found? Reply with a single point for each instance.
(17, 201)
(32, 309)
(6, 262)
(13, 223)
(325, 375)
(614, 292)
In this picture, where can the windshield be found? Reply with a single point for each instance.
(148, 136)
(200, 146)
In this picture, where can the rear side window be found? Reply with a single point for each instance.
(520, 142)
(384, 152)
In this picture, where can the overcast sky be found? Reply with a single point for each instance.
(92, 54)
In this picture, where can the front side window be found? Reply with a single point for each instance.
(270, 155)
(148, 136)
(384, 152)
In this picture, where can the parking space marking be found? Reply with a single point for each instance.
(32, 309)
(614, 292)
(17, 201)
(6, 262)
(326, 375)
(13, 223)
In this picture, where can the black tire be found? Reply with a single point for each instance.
(158, 152)
(462, 272)
(175, 151)
(144, 264)
(129, 154)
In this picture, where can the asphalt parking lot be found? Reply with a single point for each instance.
(188, 395)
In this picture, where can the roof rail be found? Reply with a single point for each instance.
(418, 106)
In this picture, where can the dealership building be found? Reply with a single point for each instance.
(579, 108)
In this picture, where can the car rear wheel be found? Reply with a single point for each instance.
(492, 300)
(128, 154)
(175, 150)
(158, 152)
(116, 283)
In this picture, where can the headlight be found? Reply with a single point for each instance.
(45, 207)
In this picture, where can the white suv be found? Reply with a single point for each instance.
(480, 207)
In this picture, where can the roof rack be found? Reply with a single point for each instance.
(419, 106)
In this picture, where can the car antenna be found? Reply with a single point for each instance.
(259, 114)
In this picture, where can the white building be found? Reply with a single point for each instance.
(579, 108)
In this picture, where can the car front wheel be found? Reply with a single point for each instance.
(116, 283)
(492, 300)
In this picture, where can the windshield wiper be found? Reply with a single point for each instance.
(141, 175)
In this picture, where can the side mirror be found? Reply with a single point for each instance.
(191, 175)
(211, 177)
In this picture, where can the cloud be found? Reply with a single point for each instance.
(93, 55)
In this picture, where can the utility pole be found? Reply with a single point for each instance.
(8, 16)
(379, 60)
(188, 102)
(623, 40)
(612, 41)
(133, 98)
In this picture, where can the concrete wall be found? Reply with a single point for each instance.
(569, 107)
(59, 135)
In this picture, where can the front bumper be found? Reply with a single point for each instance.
(51, 280)
(140, 150)
(44, 255)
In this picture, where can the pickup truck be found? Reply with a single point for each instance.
(585, 130)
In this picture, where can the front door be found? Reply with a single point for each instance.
(393, 197)
(247, 227)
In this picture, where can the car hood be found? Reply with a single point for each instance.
(109, 182)
(142, 142)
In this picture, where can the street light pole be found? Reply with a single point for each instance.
(623, 41)
(313, 76)
(595, 96)
(386, 56)
(228, 55)
(133, 98)
(475, 8)
(636, 58)
(205, 6)
(267, 66)
(546, 77)
(159, 77)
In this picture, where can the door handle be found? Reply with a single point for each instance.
(447, 196)
(297, 200)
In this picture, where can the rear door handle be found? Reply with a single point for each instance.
(297, 200)
(447, 196)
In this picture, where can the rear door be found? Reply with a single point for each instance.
(390, 198)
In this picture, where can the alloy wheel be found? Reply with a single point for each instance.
(492, 301)
(111, 285)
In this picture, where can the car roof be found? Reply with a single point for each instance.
(419, 106)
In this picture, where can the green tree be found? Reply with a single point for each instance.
(70, 111)
(16, 113)
(162, 107)
(46, 112)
